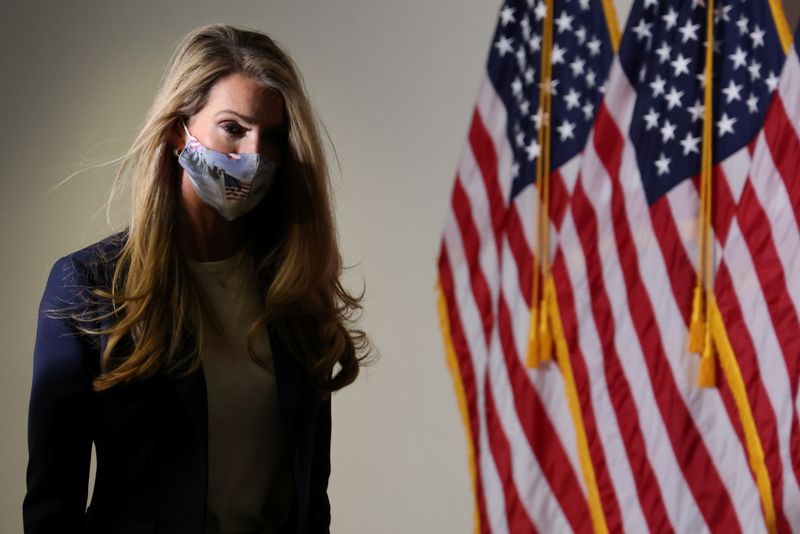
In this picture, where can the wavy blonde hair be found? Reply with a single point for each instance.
(291, 235)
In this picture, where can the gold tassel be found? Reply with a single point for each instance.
(533, 360)
(697, 326)
(707, 372)
(545, 336)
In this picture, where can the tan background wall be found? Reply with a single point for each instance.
(394, 81)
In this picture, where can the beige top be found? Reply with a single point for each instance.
(249, 479)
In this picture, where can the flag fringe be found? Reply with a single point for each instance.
(562, 355)
(458, 386)
(733, 377)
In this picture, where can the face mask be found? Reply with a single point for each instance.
(233, 184)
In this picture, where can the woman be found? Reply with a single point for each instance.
(197, 347)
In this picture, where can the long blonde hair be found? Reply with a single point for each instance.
(292, 233)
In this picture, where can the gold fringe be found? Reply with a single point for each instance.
(562, 354)
(733, 376)
(458, 386)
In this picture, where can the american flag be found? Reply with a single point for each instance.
(615, 434)
(235, 189)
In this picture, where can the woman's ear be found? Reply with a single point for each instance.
(176, 137)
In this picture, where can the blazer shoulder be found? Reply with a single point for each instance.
(76, 272)
(94, 262)
(104, 250)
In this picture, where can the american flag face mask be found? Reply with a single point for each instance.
(233, 184)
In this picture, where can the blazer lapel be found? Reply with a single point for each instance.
(192, 391)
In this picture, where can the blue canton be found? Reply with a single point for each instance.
(581, 57)
(663, 56)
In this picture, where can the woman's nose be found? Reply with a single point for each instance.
(252, 143)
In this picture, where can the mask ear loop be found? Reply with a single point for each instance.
(177, 151)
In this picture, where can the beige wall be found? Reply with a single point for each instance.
(394, 81)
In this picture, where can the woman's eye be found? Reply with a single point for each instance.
(232, 128)
(278, 138)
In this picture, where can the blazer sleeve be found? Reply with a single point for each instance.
(59, 415)
(319, 508)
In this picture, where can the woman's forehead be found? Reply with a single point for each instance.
(247, 98)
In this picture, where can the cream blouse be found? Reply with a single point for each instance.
(249, 480)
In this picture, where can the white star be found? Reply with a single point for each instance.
(671, 18)
(690, 143)
(650, 3)
(533, 150)
(739, 58)
(725, 124)
(577, 66)
(752, 103)
(526, 28)
(537, 118)
(507, 15)
(520, 139)
(565, 130)
(584, 4)
(515, 170)
(588, 110)
(757, 36)
(732, 92)
(667, 131)
(701, 78)
(642, 30)
(521, 57)
(564, 22)
(662, 164)
(721, 12)
(742, 24)
(529, 75)
(580, 34)
(755, 70)
(698, 4)
(504, 45)
(541, 11)
(524, 107)
(594, 46)
(772, 81)
(652, 119)
(535, 43)
(674, 98)
(572, 99)
(663, 52)
(549, 86)
(689, 31)
(681, 65)
(516, 87)
(657, 85)
(590, 78)
(696, 111)
(557, 54)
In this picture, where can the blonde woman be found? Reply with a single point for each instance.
(197, 348)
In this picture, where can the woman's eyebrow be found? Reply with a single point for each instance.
(245, 118)
(252, 120)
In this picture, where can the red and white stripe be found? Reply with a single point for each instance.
(667, 455)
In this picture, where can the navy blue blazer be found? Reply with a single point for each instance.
(150, 437)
